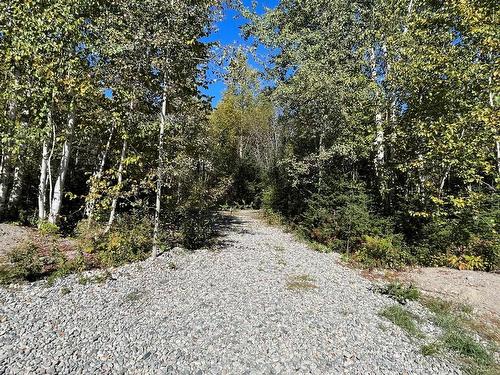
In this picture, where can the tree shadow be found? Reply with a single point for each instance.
(226, 224)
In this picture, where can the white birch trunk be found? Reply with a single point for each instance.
(5, 172)
(15, 191)
(42, 186)
(58, 191)
(159, 181)
(379, 124)
(114, 203)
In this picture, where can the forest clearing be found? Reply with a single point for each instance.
(237, 186)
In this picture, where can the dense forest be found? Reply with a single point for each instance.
(372, 129)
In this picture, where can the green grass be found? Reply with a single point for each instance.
(402, 318)
(455, 320)
(463, 344)
(400, 292)
(301, 283)
(432, 348)
(134, 296)
(65, 290)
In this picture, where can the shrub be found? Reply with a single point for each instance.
(197, 218)
(129, 240)
(464, 239)
(48, 229)
(340, 216)
(62, 266)
(23, 263)
(389, 251)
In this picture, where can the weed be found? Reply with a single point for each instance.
(400, 292)
(402, 318)
(463, 344)
(382, 327)
(102, 278)
(281, 262)
(97, 279)
(65, 290)
(454, 319)
(301, 283)
(172, 266)
(432, 348)
(134, 296)
(64, 267)
(279, 248)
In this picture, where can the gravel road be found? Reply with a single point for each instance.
(260, 303)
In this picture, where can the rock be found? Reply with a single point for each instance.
(235, 310)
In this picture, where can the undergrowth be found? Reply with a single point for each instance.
(473, 348)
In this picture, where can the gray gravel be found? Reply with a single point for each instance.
(262, 303)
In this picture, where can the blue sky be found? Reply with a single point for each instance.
(227, 34)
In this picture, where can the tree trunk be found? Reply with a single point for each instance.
(321, 150)
(492, 105)
(57, 195)
(379, 122)
(15, 191)
(42, 186)
(114, 203)
(159, 181)
(90, 205)
(4, 180)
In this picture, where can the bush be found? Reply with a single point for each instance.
(197, 217)
(48, 229)
(129, 240)
(389, 251)
(23, 263)
(466, 239)
(340, 216)
(60, 266)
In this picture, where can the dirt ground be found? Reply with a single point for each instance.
(481, 290)
(12, 236)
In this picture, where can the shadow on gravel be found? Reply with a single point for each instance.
(228, 223)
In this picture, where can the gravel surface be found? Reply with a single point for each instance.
(261, 303)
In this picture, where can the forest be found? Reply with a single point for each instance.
(371, 128)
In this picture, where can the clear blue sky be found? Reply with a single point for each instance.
(228, 33)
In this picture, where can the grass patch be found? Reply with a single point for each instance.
(456, 321)
(301, 283)
(432, 348)
(463, 344)
(65, 290)
(400, 292)
(402, 318)
(281, 262)
(134, 296)
(279, 248)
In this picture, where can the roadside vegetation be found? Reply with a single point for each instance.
(472, 343)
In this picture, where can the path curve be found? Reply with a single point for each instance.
(262, 303)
